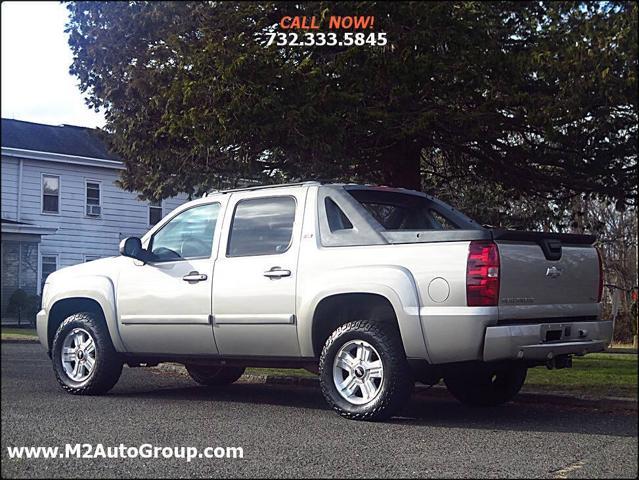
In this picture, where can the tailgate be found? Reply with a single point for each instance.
(547, 277)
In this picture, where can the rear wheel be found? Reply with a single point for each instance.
(487, 385)
(84, 360)
(214, 375)
(364, 374)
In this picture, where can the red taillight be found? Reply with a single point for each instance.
(482, 274)
(601, 277)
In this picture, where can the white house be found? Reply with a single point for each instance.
(60, 203)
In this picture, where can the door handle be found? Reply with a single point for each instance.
(277, 272)
(194, 277)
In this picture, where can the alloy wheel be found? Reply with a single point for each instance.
(78, 355)
(358, 372)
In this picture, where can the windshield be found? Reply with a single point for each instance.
(402, 211)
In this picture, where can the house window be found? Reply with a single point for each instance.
(49, 265)
(90, 258)
(93, 199)
(50, 194)
(155, 212)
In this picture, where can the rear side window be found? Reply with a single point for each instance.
(337, 220)
(261, 226)
(401, 211)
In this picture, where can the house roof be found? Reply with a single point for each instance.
(62, 139)
(13, 226)
(13, 222)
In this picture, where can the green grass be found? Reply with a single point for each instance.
(10, 333)
(281, 372)
(597, 374)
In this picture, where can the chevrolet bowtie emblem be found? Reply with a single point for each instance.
(553, 272)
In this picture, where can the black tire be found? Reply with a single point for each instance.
(487, 385)
(108, 363)
(427, 381)
(396, 384)
(426, 378)
(214, 375)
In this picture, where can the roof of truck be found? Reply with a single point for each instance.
(311, 183)
(260, 187)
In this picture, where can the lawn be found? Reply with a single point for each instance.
(598, 374)
(10, 333)
(283, 372)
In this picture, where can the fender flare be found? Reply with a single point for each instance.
(91, 287)
(395, 283)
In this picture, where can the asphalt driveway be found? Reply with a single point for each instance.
(288, 431)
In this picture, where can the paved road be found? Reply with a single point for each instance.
(288, 431)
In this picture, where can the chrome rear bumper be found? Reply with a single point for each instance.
(534, 342)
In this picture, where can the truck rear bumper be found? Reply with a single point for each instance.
(545, 341)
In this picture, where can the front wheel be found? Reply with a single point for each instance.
(364, 374)
(84, 360)
(487, 385)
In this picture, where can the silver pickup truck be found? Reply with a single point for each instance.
(373, 288)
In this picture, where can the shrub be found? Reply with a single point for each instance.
(24, 305)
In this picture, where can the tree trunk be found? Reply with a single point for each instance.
(402, 167)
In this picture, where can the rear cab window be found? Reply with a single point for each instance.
(401, 211)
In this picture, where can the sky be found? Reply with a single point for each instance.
(36, 84)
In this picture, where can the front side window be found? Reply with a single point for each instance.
(49, 265)
(187, 235)
(262, 226)
(50, 194)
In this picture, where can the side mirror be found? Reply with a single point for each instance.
(132, 247)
